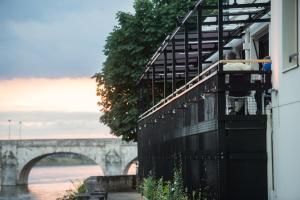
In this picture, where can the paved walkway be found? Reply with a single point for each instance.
(124, 196)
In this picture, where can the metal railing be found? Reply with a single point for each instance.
(205, 75)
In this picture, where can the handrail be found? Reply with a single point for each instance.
(247, 61)
(169, 98)
(193, 83)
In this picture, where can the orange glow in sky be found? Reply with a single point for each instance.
(51, 108)
(40, 94)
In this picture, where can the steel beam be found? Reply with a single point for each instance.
(220, 32)
(186, 53)
(153, 82)
(246, 5)
(165, 73)
(199, 34)
(173, 66)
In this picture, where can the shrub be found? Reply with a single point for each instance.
(78, 188)
(164, 190)
(177, 191)
(149, 187)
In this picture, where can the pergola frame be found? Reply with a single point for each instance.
(186, 52)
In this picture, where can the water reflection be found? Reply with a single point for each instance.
(15, 193)
(49, 183)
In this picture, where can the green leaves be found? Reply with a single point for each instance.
(154, 189)
(128, 48)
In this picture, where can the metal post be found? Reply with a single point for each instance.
(262, 102)
(220, 33)
(142, 98)
(165, 73)
(173, 66)
(149, 94)
(9, 129)
(20, 130)
(221, 141)
(153, 82)
(199, 33)
(186, 53)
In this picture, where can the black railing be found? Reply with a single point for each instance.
(206, 31)
(252, 85)
(194, 125)
(212, 120)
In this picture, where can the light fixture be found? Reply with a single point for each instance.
(202, 96)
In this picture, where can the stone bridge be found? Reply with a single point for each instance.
(17, 157)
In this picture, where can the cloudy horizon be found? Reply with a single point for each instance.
(50, 108)
(48, 52)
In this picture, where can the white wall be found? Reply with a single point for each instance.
(286, 115)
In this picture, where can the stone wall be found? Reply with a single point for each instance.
(121, 183)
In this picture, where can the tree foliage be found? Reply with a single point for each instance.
(128, 48)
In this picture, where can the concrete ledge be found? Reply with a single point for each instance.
(122, 183)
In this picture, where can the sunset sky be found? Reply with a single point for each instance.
(48, 51)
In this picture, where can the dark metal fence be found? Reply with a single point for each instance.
(210, 119)
(223, 154)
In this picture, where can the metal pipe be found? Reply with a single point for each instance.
(153, 82)
(186, 53)
(220, 32)
(173, 66)
(9, 129)
(165, 74)
(199, 34)
(20, 130)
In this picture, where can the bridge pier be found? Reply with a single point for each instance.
(113, 163)
(9, 165)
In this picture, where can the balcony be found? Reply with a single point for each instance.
(213, 119)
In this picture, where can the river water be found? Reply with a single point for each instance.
(50, 183)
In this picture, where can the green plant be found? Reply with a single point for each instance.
(78, 187)
(165, 190)
(177, 185)
(149, 187)
(162, 190)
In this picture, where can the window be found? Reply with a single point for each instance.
(290, 34)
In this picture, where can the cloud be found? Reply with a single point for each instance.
(51, 108)
(42, 125)
(67, 42)
(53, 40)
(41, 94)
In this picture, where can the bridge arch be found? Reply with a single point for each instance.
(26, 168)
(126, 169)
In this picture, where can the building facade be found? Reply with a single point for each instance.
(284, 48)
(195, 110)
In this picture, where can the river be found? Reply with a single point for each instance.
(49, 183)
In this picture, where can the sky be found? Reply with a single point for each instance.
(48, 52)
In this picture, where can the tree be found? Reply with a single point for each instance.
(128, 48)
